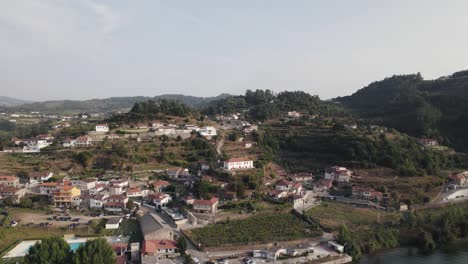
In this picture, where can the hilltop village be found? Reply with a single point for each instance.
(171, 186)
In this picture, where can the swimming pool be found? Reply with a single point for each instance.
(23, 247)
(75, 245)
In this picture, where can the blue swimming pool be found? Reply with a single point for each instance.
(75, 245)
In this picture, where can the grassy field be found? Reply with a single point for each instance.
(261, 228)
(332, 215)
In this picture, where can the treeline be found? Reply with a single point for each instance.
(149, 110)
(264, 104)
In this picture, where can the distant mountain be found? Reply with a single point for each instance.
(111, 104)
(10, 102)
(422, 108)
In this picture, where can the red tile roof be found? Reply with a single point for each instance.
(152, 246)
(8, 178)
(160, 183)
(283, 182)
(238, 160)
(116, 197)
(210, 202)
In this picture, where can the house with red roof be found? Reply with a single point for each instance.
(206, 206)
(277, 194)
(82, 141)
(160, 200)
(284, 185)
(115, 203)
(10, 181)
(159, 186)
(15, 194)
(238, 164)
(459, 179)
(161, 248)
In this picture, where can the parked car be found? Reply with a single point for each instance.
(249, 261)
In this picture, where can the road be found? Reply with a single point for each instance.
(219, 146)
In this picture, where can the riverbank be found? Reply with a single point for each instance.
(455, 253)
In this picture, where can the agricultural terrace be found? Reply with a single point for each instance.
(260, 228)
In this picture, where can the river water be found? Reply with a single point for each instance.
(454, 254)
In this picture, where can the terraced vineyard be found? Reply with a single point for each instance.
(261, 228)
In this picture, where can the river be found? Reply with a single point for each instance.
(455, 254)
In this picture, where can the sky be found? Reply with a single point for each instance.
(83, 49)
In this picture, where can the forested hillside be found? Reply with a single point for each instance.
(264, 104)
(421, 108)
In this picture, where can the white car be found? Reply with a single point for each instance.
(223, 261)
(195, 260)
(249, 261)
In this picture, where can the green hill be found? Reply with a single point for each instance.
(421, 108)
(111, 104)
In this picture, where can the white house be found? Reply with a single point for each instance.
(113, 223)
(82, 141)
(284, 185)
(206, 206)
(338, 174)
(68, 143)
(97, 201)
(85, 184)
(115, 190)
(238, 164)
(160, 199)
(102, 128)
(136, 192)
(177, 173)
(47, 188)
(97, 189)
(208, 131)
(37, 143)
(39, 177)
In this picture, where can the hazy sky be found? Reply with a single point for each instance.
(81, 49)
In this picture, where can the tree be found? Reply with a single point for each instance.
(95, 251)
(232, 136)
(83, 158)
(426, 242)
(52, 250)
(26, 203)
(130, 205)
(182, 245)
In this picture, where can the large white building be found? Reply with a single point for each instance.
(104, 128)
(208, 131)
(238, 164)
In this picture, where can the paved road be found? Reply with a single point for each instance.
(219, 146)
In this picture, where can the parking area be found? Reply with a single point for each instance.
(35, 218)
